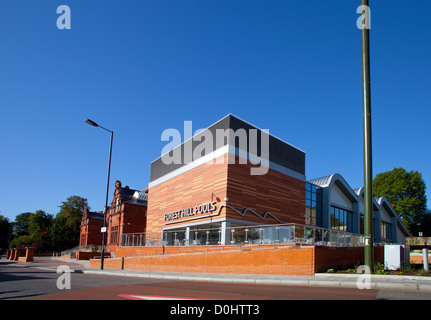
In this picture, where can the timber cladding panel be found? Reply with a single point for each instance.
(274, 192)
(281, 195)
(203, 184)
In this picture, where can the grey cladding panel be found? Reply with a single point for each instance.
(280, 152)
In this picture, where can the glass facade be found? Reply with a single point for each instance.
(313, 205)
(341, 219)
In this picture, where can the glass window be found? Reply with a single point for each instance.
(313, 205)
(114, 234)
(341, 219)
(385, 230)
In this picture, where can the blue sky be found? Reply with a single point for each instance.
(139, 67)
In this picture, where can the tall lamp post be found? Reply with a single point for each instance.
(368, 174)
(94, 124)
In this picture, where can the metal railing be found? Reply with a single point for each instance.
(247, 235)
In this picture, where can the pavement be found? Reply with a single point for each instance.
(361, 281)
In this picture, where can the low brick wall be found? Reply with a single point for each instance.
(419, 259)
(343, 257)
(21, 254)
(269, 259)
(134, 251)
(156, 250)
(286, 260)
(86, 255)
(111, 263)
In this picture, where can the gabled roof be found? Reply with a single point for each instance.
(87, 214)
(328, 181)
(131, 196)
(95, 215)
(360, 193)
(135, 197)
(322, 182)
(356, 194)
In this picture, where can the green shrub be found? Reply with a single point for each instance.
(381, 272)
(378, 266)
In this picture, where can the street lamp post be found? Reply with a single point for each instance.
(368, 174)
(94, 124)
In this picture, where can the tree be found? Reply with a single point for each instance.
(39, 222)
(20, 241)
(71, 215)
(45, 232)
(38, 226)
(58, 234)
(20, 226)
(405, 191)
(32, 229)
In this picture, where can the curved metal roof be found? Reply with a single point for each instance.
(356, 194)
(338, 179)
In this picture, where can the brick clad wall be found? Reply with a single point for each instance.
(112, 263)
(285, 260)
(419, 259)
(135, 219)
(133, 251)
(90, 232)
(260, 261)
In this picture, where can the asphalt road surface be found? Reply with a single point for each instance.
(40, 281)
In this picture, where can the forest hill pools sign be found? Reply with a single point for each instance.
(191, 212)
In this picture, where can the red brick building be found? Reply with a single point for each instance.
(126, 214)
(91, 225)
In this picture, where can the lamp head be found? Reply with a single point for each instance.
(90, 122)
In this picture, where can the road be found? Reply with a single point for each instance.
(39, 280)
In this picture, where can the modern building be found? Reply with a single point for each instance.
(239, 175)
(233, 174)
(218, 189)
(331, 203)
